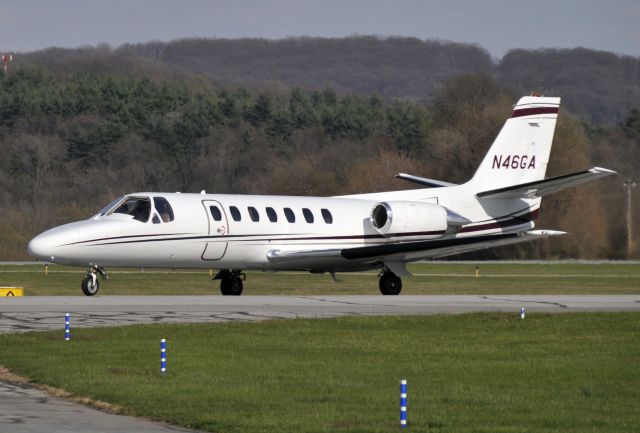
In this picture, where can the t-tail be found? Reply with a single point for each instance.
(520, 152)
(516, 164)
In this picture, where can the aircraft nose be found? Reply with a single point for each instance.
(41, 247)
(56, 244)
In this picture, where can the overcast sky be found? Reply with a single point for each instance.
(497, 25)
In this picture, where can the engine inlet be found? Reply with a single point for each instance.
(379, 216)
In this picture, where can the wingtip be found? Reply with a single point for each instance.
(546, 233)
(604, 171)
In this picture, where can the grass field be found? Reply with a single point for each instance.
(429, 278)
(469, 373)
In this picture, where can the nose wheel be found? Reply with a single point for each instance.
(90, 283)
(390, 283)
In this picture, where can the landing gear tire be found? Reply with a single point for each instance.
(231, 286)
(390, 284)
(90, 285)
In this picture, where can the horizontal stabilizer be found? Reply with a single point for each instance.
(543, 187)
(423, 180)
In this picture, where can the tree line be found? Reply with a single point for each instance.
(599, 86)
(71, 142)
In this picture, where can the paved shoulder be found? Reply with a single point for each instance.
(28, 410)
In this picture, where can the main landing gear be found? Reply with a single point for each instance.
(230, 282)
(90, 283)
(390, 283)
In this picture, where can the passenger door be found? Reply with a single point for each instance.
(216, 245)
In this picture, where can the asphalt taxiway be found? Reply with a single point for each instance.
(47, 312)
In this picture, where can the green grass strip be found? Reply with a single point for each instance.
(469, 373)
(553, 278)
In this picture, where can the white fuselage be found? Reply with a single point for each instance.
(194, 239)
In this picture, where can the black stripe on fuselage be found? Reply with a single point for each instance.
(272, 237)
(500, 222)
(522, 219)
(124, 237)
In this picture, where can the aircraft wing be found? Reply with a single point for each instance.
(547, 186)
(408, 251)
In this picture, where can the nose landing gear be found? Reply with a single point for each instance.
(230, 282)
(90, 283)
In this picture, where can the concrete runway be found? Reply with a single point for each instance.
(24, 409)
(47, 312)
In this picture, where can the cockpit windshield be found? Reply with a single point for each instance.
(138, 207)
(105, 210)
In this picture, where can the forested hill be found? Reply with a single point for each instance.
(601, 87)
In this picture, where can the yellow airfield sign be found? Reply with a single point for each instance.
(11, 291)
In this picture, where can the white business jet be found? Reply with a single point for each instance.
(383, 230)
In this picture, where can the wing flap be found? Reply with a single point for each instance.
(547, 186)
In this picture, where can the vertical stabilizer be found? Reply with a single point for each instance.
(520, 152)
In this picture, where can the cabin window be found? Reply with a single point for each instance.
(164, 209)
(291, 217)
(215, 213)
(235, 213)
(253, 213)
(308, 216)
(271, 213)
(138, 207)
(156, 219)
(328, 218)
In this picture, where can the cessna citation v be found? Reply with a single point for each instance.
(383, 230)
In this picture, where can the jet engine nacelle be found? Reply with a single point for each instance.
(421, 219)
